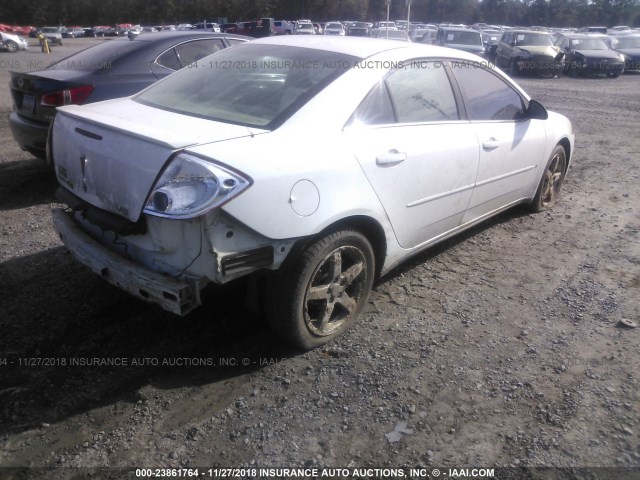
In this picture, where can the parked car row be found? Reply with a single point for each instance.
(537, 51)
(572, 53)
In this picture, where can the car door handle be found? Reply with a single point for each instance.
(490, 144)
(392, 157)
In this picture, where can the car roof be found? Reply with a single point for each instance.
(459, 29)
(363, 47)
(159, 36)
(578, 36)
(355, 46)
(535, 32)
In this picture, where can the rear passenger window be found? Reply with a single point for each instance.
(486, 96)
(376, 108)
(190, 52)
(169, 59)
(186, 53)
(421, 92)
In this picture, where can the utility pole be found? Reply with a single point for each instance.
(388, 4)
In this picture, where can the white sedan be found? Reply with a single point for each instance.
(334, 28)
(311, 164)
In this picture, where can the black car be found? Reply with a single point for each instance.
(358, 29)
(586, 54)
(112, 69)
(629, 46)
(490, 40)
(465, 39)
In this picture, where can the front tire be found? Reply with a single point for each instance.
(513, 68)
(551, 181)
(11, 46)
(321, 294)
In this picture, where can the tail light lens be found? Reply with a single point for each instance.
(191, 186)
(75, 95)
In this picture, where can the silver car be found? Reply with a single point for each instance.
(12, 43)
(53, 34)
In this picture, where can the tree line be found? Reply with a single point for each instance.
(553, 13)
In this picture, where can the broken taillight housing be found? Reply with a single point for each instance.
(68, 96)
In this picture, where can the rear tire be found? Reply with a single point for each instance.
(551, 181)
(321, 294)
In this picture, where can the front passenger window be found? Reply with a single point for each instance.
(487, 96)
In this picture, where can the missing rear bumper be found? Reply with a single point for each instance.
(175, 296)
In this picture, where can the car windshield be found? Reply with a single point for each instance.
(98, 57)
(305, 26)
(463, 38)
(334, 25)
(253, 85)
(627, 42)
(589, 44)
(533, 40)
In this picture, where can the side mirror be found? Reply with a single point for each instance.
(535, 111)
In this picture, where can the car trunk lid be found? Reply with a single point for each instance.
(110, 153)
(28, 89)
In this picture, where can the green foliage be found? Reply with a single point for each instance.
(510, 12)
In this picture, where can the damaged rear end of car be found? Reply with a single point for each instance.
(143, 212)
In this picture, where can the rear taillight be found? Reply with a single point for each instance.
(75, 95)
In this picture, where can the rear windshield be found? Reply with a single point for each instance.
(463, 38)
(589, 44)
(97, 57)
(533, 40)
(253, 85)
(627, 42)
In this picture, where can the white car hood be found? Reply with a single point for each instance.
(110, 153)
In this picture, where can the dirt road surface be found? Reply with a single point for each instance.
(502, 347)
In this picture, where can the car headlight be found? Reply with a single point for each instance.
(524, 53)
(622, 58)
(191, 186)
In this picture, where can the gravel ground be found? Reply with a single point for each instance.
(502, 347)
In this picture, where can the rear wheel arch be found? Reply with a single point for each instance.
(319, 291)
(367, 226)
